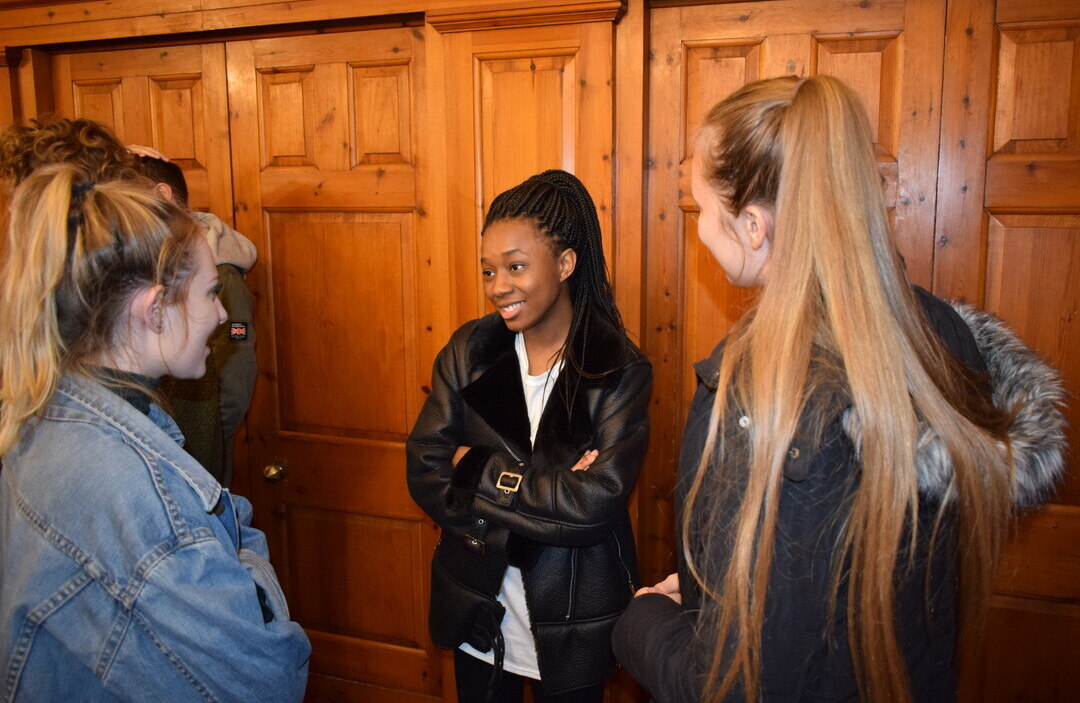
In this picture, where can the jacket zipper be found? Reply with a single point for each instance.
(573, 579)
(511, 451)
(618, 548)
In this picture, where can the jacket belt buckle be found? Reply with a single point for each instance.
(509, 481)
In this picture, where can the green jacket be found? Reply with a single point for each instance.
(210, 409)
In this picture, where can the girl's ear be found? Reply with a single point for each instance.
(567, 264)
(146, 308)
(165, 190)
(758, 224)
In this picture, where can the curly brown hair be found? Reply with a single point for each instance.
(90, 146)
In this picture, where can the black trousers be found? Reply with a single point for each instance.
(473, 677)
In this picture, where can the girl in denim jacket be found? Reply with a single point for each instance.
(126, 571)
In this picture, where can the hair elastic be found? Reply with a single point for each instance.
(79, 190)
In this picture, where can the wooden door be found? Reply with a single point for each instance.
(171, 98)
(326, 142)
(1008, 238)
(889, 51)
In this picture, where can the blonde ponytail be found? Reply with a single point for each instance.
(840, 313)
(30, 343)
(76, 252)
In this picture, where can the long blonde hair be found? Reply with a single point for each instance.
(838, 305)
(76, 253)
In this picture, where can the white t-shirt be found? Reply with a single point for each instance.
(520, 657)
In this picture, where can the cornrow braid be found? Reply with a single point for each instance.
(562, 209)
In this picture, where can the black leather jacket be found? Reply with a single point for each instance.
(509, 503)
(804, 656)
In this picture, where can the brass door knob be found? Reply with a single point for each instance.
(274, 471)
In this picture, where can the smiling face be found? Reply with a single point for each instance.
(187, 327)
(524, 278)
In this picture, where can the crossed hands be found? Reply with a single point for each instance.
(583, 463)
(668, 587)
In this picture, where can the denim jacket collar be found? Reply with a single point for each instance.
(77, 393)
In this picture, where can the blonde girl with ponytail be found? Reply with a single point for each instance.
(126, 572)
(856, 446)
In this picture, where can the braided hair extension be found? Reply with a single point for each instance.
(562, 209)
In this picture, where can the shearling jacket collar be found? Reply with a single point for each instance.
(602, 350)
(495, 392)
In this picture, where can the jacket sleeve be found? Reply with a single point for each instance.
(563, 507)
(654, 641)
(201, 607)
(235, 360)
(429, 452)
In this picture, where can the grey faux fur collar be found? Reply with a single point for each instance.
(1020, 380)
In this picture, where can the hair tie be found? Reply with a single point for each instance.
(79, 190)
(75, 215)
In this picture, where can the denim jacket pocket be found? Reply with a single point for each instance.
(266, 578)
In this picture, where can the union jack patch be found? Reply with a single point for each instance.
(238, 331)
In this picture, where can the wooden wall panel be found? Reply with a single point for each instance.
(341, 602)
(1024, 11)
(1010, 160)
(383, 116)
(9, 87)
(38, 22)
(36, 93)
(175, 121)
(1042, 562)
(1037, 69)
(527, 117)
(1031, 281)
(1043, 635)
(101, 101)
(631, 96)
(1035, 160)
(360, 257)
(714, 71)
(288, 111)
(872, 68)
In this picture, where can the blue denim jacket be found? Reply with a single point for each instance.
(127, 573)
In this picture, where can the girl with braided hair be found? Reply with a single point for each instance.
(525, 454)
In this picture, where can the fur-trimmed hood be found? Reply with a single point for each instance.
(1021, 382)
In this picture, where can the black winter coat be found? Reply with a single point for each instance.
(667, 648)
(507, 502)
